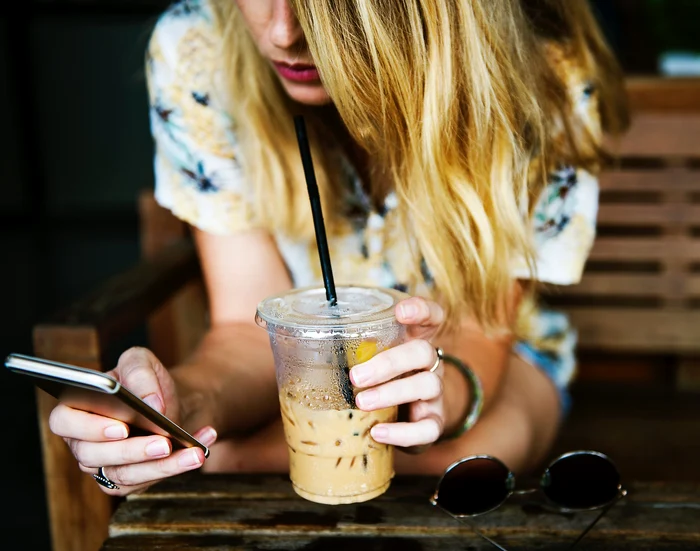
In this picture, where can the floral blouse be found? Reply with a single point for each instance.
(198, 178)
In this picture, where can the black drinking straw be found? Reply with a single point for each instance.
(323, 253)
(317, 213)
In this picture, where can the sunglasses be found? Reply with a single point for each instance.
(573, 482)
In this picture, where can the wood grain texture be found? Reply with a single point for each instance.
(246, 511)
(74, 525)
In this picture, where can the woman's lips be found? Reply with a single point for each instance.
(297, 72)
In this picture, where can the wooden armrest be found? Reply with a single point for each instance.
(125, 301)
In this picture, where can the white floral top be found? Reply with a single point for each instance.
(199, 179)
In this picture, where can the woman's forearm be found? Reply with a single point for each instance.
(487, 356)
(518, 428)
(229, 381)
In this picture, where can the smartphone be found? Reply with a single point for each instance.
(96, 392)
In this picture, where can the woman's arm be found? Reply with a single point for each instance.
(519, 427)
(521, 410)
(487, 356)
(229, 381)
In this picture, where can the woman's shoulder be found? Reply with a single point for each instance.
(186, 29)
(184, 55)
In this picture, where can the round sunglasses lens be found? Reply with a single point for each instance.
(581, 481)
(474, 486)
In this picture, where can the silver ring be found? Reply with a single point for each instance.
(102, 479)
(440, 355)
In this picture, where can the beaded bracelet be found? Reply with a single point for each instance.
(476, 397)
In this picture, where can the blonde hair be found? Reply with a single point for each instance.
(449, 99)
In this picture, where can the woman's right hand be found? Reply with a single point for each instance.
(132, 463)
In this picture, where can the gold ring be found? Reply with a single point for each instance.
(439, 353)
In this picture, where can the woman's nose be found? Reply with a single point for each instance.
(285, 31)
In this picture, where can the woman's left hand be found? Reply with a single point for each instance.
(401, 375)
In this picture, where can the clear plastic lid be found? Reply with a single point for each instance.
(306, 312)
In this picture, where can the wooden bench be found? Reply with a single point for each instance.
(639, 295)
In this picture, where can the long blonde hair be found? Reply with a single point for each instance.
(449, 99)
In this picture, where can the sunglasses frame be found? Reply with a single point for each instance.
(548, 504)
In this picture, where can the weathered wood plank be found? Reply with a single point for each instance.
(649, 512)
(640, 330)
(466, 541)
(615, 284)
(645, 248)
(660, 135)
(649, 214)
(74, 527)
(656, 180)
(663, 94)
(639, 285)
(277, 487)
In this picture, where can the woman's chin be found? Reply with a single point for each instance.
(307, 93)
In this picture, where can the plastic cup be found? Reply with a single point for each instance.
(332, 456)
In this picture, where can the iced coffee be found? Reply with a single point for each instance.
(332, 456)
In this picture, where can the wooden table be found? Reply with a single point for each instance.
(216, 512)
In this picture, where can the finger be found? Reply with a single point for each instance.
(420, 312)
(385, 366)
(76, 424)
(124, 452)
(425, 431)
(206, 436)
(421, 386)
(136, 370)
(151, 471)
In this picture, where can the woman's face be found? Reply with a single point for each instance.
(280, 39)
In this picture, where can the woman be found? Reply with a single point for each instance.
(456, 146)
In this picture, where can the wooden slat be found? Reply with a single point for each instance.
(660, 135)
(466, 541)
(633, 285)
(650, 180)
(612, 284)
(663, 94)
(75, 526)
(637, 330)
(413, 516)
(649, 214)
(646, 248)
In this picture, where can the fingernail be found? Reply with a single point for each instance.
(190, 458)
(159, 448)
(408, 310)
(116, 432)
(209, 437)
(155, 402)
(379, 432)
(359, 376)
(367, 399)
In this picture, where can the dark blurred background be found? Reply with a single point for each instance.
(76, 149)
